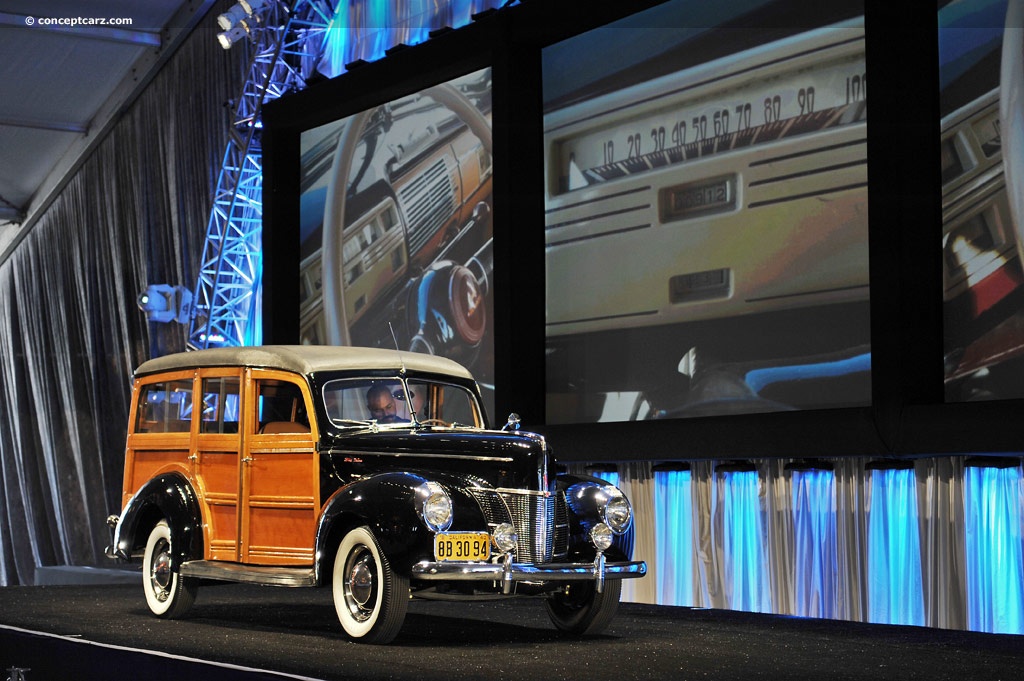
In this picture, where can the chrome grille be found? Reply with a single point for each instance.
(495, 511)
(541, 522)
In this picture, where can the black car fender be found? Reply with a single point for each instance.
(584, 496)
(389, 505)
(171, 497)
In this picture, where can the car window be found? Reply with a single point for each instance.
(220, 405)
(165, 407)
(444, 402)
(280, 407)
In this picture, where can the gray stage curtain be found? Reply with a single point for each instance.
(70, 331)
(936, 544)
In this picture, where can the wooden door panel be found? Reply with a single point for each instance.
(217, 474)
(217, 458)
(280, 487)
(280, 503)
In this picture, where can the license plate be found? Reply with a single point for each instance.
(462, 546)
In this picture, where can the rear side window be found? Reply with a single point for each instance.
(220, 405)
(164, 407)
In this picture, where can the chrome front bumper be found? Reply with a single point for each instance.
(508, 572)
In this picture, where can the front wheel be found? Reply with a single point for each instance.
(168, 594)
(581, 611)
(370, 597)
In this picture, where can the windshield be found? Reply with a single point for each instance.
(359, 401)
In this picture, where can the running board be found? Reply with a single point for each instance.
(250, 574)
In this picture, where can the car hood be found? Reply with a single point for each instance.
(491, 458)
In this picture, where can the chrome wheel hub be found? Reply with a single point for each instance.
(360, 584)
(161, 575)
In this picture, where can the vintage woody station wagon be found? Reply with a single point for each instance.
(369, 471)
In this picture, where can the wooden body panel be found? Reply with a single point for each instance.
(280, 501)
(258, 492)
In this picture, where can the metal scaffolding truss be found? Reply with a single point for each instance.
(288, 42)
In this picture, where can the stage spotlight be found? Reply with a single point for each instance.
(229, 38)
(253, 6)
(239, 20)
(165, 303)
(240, 11)
(235, 14)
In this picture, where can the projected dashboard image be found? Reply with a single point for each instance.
(396, 232)
(707, 214)
(982, 150)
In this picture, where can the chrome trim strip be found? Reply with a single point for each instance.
(250, 574)
(524, 572)
(525, 492)
(399, 455)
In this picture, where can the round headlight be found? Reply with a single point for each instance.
(505, 537)
(617, 512)
(437, 507)
(601, 535)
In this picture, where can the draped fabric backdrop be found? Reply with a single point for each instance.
(70, 331)
(934, 544)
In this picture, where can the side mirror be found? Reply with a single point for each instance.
(512, 423)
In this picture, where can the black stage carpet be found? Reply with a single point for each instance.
(253, 633)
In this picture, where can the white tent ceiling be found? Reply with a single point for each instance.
(63, 84)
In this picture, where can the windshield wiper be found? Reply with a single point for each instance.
(353, 423)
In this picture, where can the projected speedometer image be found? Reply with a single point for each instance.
(804, 99)
(707, 213)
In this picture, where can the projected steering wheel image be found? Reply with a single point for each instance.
(396, 226)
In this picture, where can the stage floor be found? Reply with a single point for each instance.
(254, 633)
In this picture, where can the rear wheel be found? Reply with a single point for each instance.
(371, 599)
(579, 610)
(168, 594)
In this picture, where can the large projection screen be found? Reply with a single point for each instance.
(706, 227)
(396, 230)
(981, 100)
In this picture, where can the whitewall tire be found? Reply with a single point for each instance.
(168, 594)
(370, 598)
